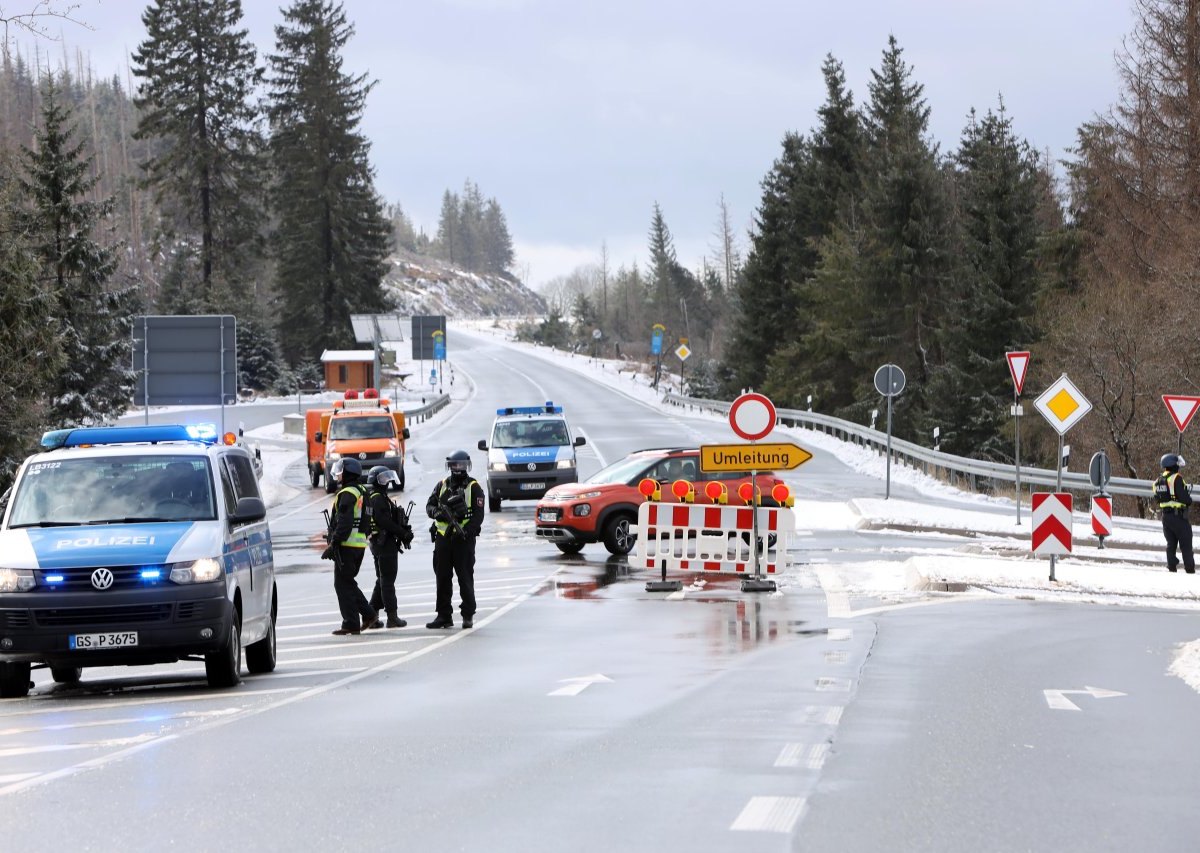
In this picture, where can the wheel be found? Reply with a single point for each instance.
(569, 547)
(619, 535)
(771, 540)
(314, 474)
(330, 486)
(493, 504)
(260, 656)
(400, 486)
(66, 674)
(14, 679)
(224, 667)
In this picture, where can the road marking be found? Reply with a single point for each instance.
(836, 657)
(797, 755)
(838, 635)
(15, 777)
(837, 601)
(676, 596)
(328, 634)
(393, 653)
(1058, 701)
(64, 747)
(769, 814)
(358, 644)
(117, 721)
(840, 684)
(822, 715)
(575, 686)
(131, 700)
(308, 505)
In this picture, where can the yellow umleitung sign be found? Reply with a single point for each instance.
(752, 457)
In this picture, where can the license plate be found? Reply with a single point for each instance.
(548, 515)
(110, 640)
(532, 486)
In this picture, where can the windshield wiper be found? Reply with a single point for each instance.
(50, 524)
(132, 520)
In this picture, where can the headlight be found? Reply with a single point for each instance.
(196, 571)
(588, 495)
(497, 466)
(333, 455)
(389, 454)
(582, 509)
(17, 580)
(565, 463)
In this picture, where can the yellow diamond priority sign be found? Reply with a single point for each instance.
(781, 456)
(1062, 404)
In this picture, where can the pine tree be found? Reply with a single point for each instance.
(260, 366)
(662, 263)
(94, 319)
(333, 239)
(498, 244)
(471, 231)
(199, 73)
(448, 239)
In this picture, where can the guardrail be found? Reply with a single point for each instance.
(925, 459)
(428, 410)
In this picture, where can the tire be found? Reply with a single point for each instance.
(400, 487)
(260, 656)
(330, 486)
(224, 667)
(569, 547)
(14, 679)
(66, 674)
(493, 504)
(771, 540)
(314, 474)
(619, 535)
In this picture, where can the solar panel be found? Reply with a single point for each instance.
(390, 327)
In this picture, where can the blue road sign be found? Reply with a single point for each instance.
(656, 340)
(439, 350)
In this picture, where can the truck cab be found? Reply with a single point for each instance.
(363, 427)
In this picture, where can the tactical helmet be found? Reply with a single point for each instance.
(381, 477)
(458, 462)
(1172, 460)
(373, 474)
(346, 469)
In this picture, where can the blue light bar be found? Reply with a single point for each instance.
(548, 409)
(127, 435)
(54, 578)
(151, 574)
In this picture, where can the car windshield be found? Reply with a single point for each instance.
(530, 433)
(628, 471)
(111, 490)
(372, 426)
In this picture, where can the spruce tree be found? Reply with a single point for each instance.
(498, 245)
(333, 239)
(93, 318)
(198, 73)
(448, 239)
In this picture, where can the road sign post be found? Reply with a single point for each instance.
(889, 381)
(656, 347)
(1063, 406)
(752, 417)
(1018, 365)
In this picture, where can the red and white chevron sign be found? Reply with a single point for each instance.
(1102, 515)
(1051, 523)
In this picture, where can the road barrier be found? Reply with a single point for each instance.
(712, 538)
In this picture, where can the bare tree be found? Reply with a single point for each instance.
(728, 254)
(38, 19)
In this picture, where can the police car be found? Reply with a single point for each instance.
(135, 545)
(531, 452)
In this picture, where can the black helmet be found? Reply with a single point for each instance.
(346, 469)
(1172, 460)
(373, 474)
(458, 462)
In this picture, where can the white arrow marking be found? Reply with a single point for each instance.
(577, 685)
(1058, 701)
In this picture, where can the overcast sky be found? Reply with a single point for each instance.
(577, 115)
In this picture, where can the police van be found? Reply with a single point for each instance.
(531, 452)
(135, 545)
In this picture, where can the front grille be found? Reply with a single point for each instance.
(14, 619)
(198, 610)
(523, 467)
(121, 615)
(79, 580)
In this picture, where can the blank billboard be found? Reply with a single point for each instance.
(185, 360)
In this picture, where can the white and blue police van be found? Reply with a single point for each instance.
(135, 545)
(531, 451)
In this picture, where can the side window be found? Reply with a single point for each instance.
(342, 374)
(227, 486)
(245, 484)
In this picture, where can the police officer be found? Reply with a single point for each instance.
(347, 544)
(389, 536)
(456, 507)
(1173, 498)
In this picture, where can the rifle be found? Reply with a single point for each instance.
(449, 515)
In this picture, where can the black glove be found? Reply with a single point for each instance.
(327, 554)
(406, 536)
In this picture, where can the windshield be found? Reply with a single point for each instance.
(531, 433)
(627, 471)
(374, 426)
(108, 490)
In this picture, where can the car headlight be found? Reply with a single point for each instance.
(332, 455)
(389, 454)
(589, 495)
(582, 509)
(565, 463)
(497, 466)
(17, 580)
(196, 571)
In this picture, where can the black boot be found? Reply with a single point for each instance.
(441, 622)
(394, 621)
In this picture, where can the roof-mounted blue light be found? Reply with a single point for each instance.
(55, 439)
(548, 409)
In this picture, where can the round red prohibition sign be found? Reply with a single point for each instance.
(752, 416)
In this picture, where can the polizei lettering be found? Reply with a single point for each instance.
(103, 541)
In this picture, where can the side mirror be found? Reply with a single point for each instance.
(580, 441)
(248, 509)
(483, 444)
(319, 437)
(406, 433)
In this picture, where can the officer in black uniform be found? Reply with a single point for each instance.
(347, 544)
(1173, 498)
(456, 507)
(390, 534)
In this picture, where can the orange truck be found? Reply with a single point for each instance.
(360, 427)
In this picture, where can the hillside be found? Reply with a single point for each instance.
(423, 285)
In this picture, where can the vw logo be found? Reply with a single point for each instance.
(362, 456)
(102, 579)
(532, 466)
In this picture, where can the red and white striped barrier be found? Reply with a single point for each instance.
(1102, 515)
(1052, 523)
(709, 538)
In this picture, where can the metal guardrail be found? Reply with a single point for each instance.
(929, 461)
(428, 410)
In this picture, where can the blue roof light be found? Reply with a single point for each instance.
(548, 409)
(128, 435)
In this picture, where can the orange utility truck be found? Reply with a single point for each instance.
(364, 428)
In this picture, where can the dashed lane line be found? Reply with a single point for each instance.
(133, 700)
(769, 814)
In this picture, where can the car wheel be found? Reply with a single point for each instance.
(14, 679)
(66, 674)
(569, 547)
(224, 667)
(260, 656)
(619, 535)
(314, 474)
(400, 487)
(493, 504)
(330, 486)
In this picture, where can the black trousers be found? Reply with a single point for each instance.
(351, 601)
(1178, 531)
(387, 555)
(454, 555)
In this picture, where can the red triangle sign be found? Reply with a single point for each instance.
(1182, 408)
(1018, 363)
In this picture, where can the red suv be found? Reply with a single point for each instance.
(604, 507)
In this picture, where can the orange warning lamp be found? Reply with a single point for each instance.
(351, 394)
(782, 495)
(716, 492)
(745, 491)
(229, 438)
(649, 489)
(683, 490)
(371, 394)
